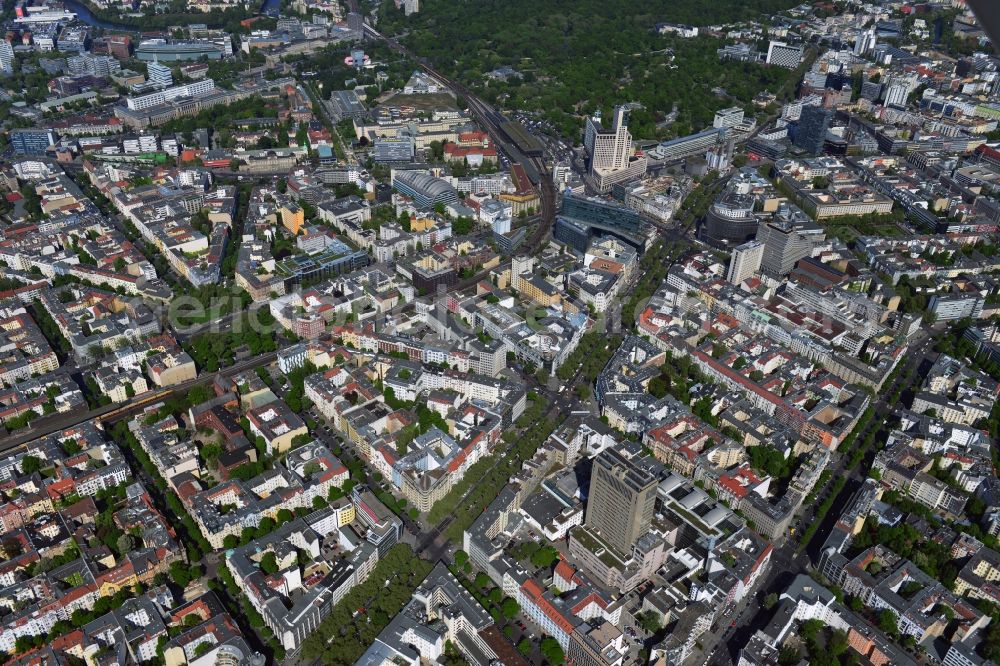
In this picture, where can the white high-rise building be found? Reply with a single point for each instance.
(865, 42)
(608, 149)
(521, 270)
(745, 262)
(896, 94)
(611, 159)
(522, 264)
(6, 57)
(730, 117)
(784, 55)
(160, 75)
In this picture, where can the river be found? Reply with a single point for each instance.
(83, 13)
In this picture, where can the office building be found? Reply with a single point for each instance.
(94, 65)
(787, 239)
(192, 89)
(730, 117)
(745, 261)
(896, 94)
(119, 46)
(730, 219)
(691, 145)
(74, 39)
(871, 90)
(176, 51)
(31, 141)
(610, 151)
(581, 219)
(956, 305)
(811, 131)
(44, 37)
(337, 259)
(602, 645)
(621, 499)
(6, 57)
(785, 55)
(396, 149)
(865, 42)
(423, 188)
(739, 53)
(289, 25)
(159, 75)
(383, 528)
(346, 104)
(602, 182)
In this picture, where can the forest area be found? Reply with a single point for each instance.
(576, 58)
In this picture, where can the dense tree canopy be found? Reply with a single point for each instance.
(579, 57)
(358, 618)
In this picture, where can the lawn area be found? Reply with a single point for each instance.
(850, 232)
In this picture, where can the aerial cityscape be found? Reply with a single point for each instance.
(455, 332)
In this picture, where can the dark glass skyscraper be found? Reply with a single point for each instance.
(582, 218)
(811, 132)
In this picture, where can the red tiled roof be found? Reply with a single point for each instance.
(535, 593)
(565, 571)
